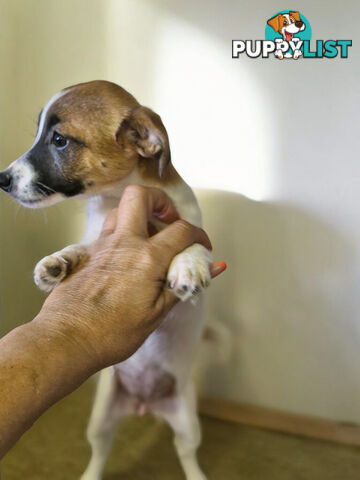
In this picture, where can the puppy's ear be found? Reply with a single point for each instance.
(275, 22)
(296, 15)
(143, 130)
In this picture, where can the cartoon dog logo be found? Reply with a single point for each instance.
(288, 25)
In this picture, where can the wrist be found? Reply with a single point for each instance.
(38, 367)
(61, 336)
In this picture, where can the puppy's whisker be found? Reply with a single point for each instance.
(45, 217)
(18, 206)
(45, 187)
(42, 191)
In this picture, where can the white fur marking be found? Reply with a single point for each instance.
(45, 111)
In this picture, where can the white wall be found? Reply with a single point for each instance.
(282, 136)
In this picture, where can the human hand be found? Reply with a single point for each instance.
(112, 303)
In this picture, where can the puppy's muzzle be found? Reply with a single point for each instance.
(5, 181)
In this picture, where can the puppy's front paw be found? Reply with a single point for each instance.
(189, 272)
(51, 270)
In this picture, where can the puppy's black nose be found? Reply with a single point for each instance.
(5, 181)
(299, 24)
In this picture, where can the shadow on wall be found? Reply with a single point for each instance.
(280, 300)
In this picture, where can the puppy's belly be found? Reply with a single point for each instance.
(158, 370)
(145, 383)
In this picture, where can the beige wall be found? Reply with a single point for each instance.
(282, 137)
(44, 46)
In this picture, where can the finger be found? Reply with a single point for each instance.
(166, 301)
(137, 206)
(109, 223)
(178, 236)
(217, 268)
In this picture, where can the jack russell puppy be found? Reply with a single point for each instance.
(287, 24)
(93, 140)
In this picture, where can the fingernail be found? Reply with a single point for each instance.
(218, 267)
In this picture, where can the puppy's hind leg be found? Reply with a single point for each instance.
(104, 416)
(183, 419)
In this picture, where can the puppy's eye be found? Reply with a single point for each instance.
(59, 141)
(285, 22)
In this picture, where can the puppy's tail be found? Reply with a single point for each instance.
(214, 351)
(217, 338)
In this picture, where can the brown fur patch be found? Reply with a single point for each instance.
(144, 131)
(92, 113)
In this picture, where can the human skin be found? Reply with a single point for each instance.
(99, 315)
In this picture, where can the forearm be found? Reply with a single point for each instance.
(38, 367)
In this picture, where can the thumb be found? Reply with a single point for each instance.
(176, 237)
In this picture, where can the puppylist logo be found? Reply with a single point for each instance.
(288, 35)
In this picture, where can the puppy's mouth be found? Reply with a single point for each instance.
(41, 195)
(288, 36)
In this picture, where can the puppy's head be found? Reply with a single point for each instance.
(287, 24)
(89, 137)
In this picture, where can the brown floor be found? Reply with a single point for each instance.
(55, 449)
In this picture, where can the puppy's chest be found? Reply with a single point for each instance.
(98, 209)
